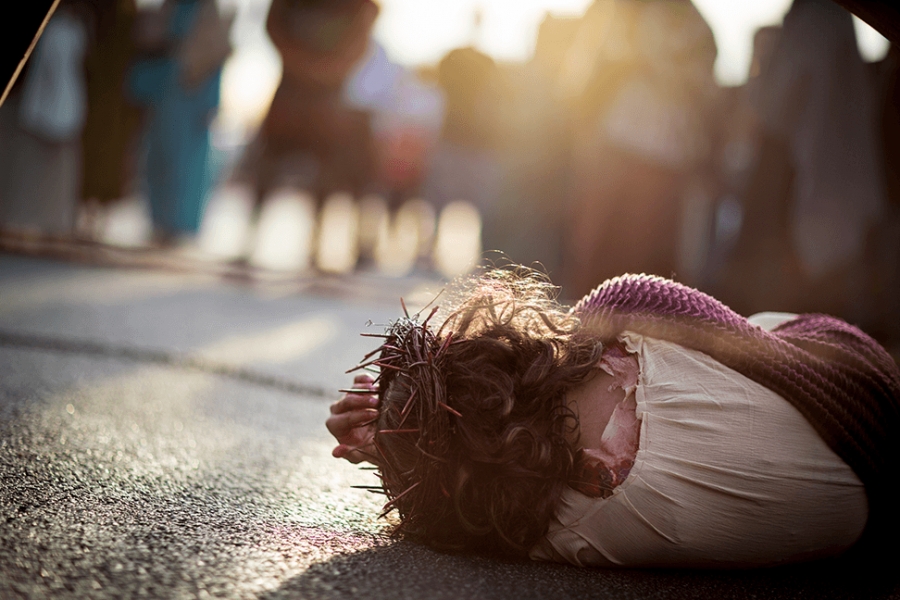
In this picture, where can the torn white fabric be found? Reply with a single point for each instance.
(727, 474)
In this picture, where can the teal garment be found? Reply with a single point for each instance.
(177, 141)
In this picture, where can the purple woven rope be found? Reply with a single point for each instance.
(842, 381)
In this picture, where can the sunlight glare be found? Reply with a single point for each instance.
(338, 231)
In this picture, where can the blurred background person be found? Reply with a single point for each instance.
(466, 164)
(586, 158)
(819, 173)
(527, 221)
(184, 44)
(40, 129)
(405, 114)
(884, 252)
(110, 139)
(310, 138)
(754, 261)
(640, 75)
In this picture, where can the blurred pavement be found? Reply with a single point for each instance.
(161, 435)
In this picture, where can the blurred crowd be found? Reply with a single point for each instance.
(808, 206)
(114, 100)
(611, 150)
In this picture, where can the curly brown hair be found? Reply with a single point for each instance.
(473, 427)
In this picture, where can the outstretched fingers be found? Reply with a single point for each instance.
(364, 379)
(354, 455)
(351, 402)
(352, 421)
(342, 424)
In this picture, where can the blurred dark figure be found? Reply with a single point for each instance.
(816, 103)
(889, 118)
(885, 249)
(310, 138)
(405, 114)
(759, 267)
(184, 44)
(110, 138)
(405, 111)
(528, 223)
(641, 76)
(465, 165)
(40, 129)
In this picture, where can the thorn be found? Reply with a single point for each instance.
(390, 504)
(389, 347)
(431, 456)
(377, 446)
(387, 366)
(398, 431)
(444, 346)
(403, 304)
(407, 408)
(363, 391)
(431, 314)
(375, 351)
(409, 400)
(444, 406)
(430, 302)
(363, 365)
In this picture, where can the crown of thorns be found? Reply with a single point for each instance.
(414, 357)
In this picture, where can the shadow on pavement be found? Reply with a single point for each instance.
(407, 570)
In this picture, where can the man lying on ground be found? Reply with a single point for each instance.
(650, 425)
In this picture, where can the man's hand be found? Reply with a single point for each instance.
(352, 422)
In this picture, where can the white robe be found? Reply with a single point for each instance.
(727, 474)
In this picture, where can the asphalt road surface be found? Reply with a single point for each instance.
(161, 435)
